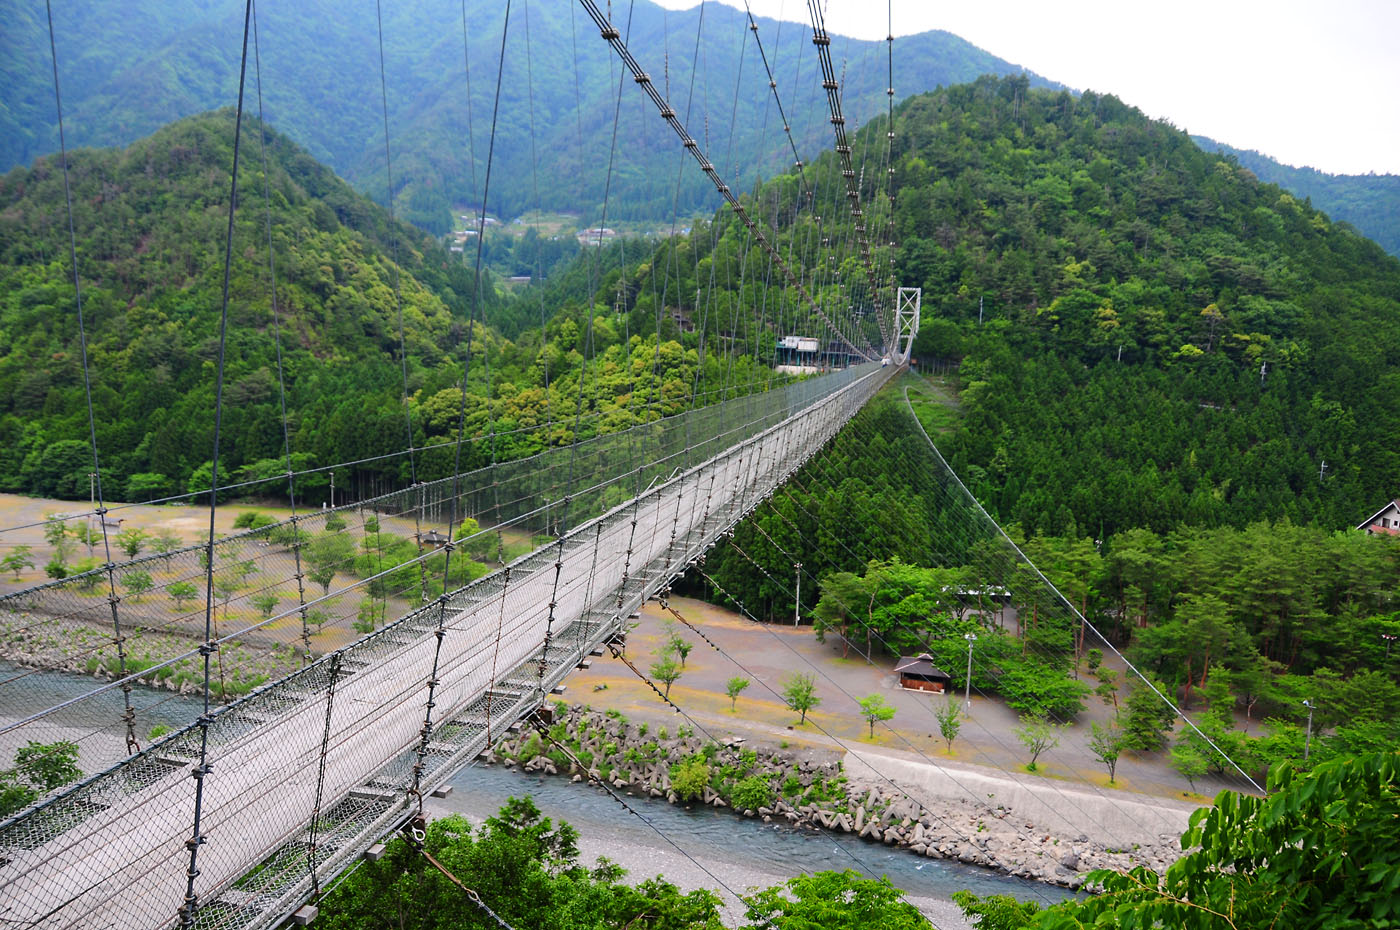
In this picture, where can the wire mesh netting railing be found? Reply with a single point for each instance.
(291, 591)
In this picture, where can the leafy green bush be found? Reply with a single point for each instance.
(751, 793)
(253, 520)
(38, 769)
(689, 777)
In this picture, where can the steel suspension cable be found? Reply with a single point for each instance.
(118, 639)
(539, 212)
(277, 343)
(189, 910)
(843, 150)
(479, 304)
(644, 81)
(394, 269)
(773, 86)
(443, 601)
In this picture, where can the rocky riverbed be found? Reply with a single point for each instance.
(812, 790)
(85, 647)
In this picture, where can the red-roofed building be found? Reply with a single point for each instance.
(1386, 520)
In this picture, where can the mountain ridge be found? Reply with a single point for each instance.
(320, 71)
(1370, 202)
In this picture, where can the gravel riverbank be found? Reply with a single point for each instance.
(1016, 827)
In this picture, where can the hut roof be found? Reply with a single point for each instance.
(920, 665)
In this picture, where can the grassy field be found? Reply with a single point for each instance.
(935, 401)
(547, 224)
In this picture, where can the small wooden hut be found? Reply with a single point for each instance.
(918, 673)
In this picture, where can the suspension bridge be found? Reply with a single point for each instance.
(352, 742)
(252, 806)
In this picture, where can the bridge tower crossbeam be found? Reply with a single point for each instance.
(908, 302)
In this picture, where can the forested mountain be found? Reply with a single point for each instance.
(1170, 351)
(1167, 340)
(1370, 202)
(129, 68)
(150, 223)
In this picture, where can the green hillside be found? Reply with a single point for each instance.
(1370, 202)
(128, 69)
(150, 222)
(1167, 340)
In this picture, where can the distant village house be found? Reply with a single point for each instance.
(1385, 520)
(596, 235)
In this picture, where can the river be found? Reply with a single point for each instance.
(740, 852)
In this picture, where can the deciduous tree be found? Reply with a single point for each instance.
(874, 709)
(800, 693)
(733, 688)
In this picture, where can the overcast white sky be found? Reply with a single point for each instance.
(1308, 82)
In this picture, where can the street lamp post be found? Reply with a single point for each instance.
(1307, 741)
(1389, 638)
(971, 638)
(797, 604)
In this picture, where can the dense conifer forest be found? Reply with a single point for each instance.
(1165, 340)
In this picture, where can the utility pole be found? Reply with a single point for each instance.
(1307, 742)
(979, 310)
(971, 638)
(797, 604)
(92, 507)
(1322, 472)
(332, 489)
(1263, 372)
(1389, 638)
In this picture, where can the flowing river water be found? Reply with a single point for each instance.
(706, 847)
